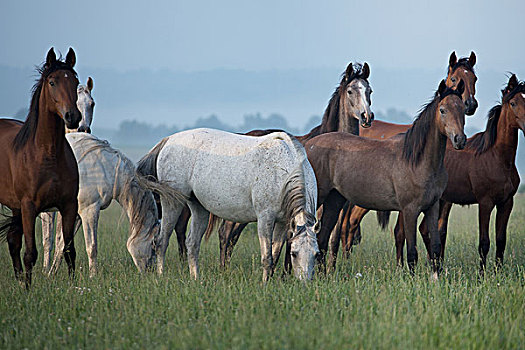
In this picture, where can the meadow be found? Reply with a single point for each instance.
(367, 303)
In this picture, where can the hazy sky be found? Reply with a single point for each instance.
(261, 35)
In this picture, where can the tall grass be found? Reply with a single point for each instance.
(367, 303)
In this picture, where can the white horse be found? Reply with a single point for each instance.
(106, 174)
(266, 179)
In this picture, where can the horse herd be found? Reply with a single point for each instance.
(280, 181)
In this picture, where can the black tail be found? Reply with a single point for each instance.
(147, 165)
(383, 218)
(9, 222)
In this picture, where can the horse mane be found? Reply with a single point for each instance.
(28, 130)
(483, 141)
(416, 137)
(293, 197)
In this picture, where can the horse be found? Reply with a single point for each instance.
(38, 170)
(85, 104)
(239, 178)
(485, 174)
(347, 110)
(403, 173)
(462, 69)
(107, 174)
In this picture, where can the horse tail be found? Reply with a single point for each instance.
(213, 221)
(383, 218)
(147, 165)
(9, 223)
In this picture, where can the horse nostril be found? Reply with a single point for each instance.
(372, 116)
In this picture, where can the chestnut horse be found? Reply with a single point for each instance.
(403, 173)
(462, 69)
(348, 108)
(38, 170)
(485, 174)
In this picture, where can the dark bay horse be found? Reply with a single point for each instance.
(485, 174)
(462, 69)
(403, 173)
(348, 108)
(38, 170)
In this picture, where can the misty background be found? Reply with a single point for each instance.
(164, 66)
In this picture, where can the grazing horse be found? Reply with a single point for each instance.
(485, 174)
(403, 173)
(243, 179)
(85, 105)
(462, 69)
(38, 170)
(348, 108)
(107, 174)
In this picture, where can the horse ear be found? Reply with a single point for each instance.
(90, 84)
(513, 82)
(461, 87)
(71, 58)
(349, 70)
(472, 58)
(453, 59)
(51, 57)
(442, 87)
(365, 71)
(293, 225)
(317, 226)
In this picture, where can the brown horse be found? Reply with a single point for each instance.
(485, 174)
(462, 69)
(348, 108)
(38, 170)
(404, 173)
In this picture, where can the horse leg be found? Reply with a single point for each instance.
(59, 246)
(225, 232)
(180, 230)
(331, 208)
(198, 226)
(432, 216)
(48, 223)
(444, 212)
(342, 226)
(14, 240)
(90, 216)
(170, 215)
(265, 225)
(399, 236)
(502, 219)
(28, 223)
(279, 236)
(409, 228)
(356, 216)
(485, 208)
(233, 239)
(335, 238)
(69, 218)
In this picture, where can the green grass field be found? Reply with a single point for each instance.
(367, 303)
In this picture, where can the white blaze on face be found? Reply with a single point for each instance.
(522, 95)
(65, 75)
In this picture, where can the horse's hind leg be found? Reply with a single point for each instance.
(485, 208)
(198, 226)
(232, 240)
(432, 216)
(48, 220)
(331, 208)
(180, 230)
(502, 219)
(356, 216)
(69, 217)
(28, 223)
(399, 236)
(265, 227)
(90, 216)
(14, 240)
(170, 215)
(409, 225)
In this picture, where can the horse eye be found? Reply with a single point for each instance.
(442, 110)
(294, 255)
(52, 83)
(349, 92)
(512, 104)
(453, 79)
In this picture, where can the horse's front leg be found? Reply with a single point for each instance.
(90, 216)
(170, 214)
(278, 239)
(199, 222)
(29, 214)
(409, 227)
(265, 226)
(48, 220)
(14, 240)
(180, 229)
(354, 226)
(432, 217)
(331, 208)
(69, 218)
(399, 236)
(485, 208)
(502, 219)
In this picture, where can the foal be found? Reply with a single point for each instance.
(404, 173)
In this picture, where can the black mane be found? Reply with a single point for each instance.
(463, 62)
(416, 136)
(28, 130)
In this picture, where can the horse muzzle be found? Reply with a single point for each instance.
(366, 120)
(72, 118)
(84, 128)
(459, 141)
(471, 105)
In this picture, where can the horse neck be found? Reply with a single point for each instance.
(506, 142)
(50, 131)
(434, 149)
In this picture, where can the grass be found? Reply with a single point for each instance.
(367, 303)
